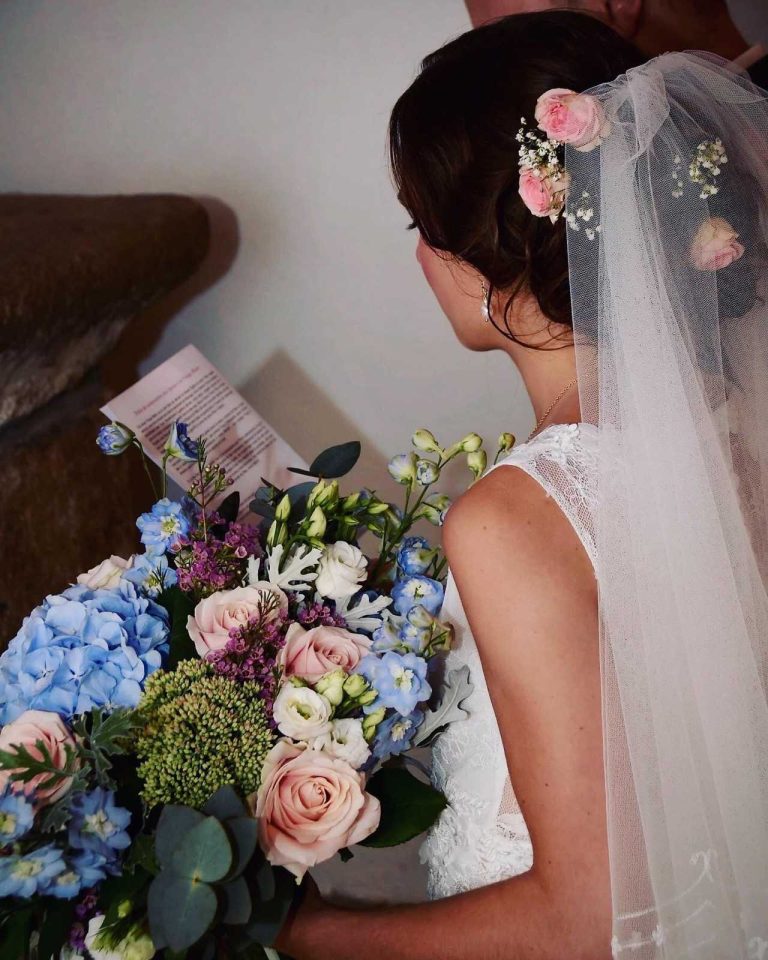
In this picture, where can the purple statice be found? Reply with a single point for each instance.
(85, 910)
(207, 562)
(311, 615)
(251, 654)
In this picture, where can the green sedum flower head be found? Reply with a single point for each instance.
(201, 731)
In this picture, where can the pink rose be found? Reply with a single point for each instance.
(310, 654)
(25, 731)
(715, 245)
(544, 196)
(573, 118)
(309, 806)
(216, 615)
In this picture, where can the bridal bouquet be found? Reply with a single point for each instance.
(185, 733)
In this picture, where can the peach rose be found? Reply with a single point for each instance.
(309, 806)
(216, 615)
(573, 118)
(715, 245)
(25, 731)
(544, 196)
(310, 654)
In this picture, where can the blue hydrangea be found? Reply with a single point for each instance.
(162, 527)
(180, 445)
(151, 574)
(16, 815)
(82, 649)
(114, 439)
(98, 825)
(395, 734)
(28, 874)
(415, 555)
(400, 681)
(417, 590)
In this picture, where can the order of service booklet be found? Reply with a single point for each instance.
(188, 387)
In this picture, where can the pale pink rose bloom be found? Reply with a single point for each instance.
(573, 118)
(715, 245)
(309, 806)
(105, 574)
(216, 615)
(310, 654)
(25, 731)
(544, 196)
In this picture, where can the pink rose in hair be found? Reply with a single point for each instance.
(52, 732)
(543, 195)
(310, 654)
(573, 118)
(715, 245)
(309, 806)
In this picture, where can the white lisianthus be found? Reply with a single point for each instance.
(301, 713)
(341, 571)
(105, 574)
(136, 946)
(345, 741)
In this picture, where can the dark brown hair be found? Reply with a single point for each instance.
(454, 156)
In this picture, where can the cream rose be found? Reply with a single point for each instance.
(715, 245)
(309, 806)
(25, 731)
(216, 615)
(341, 570)
(544, 196)
(345, 741)
(310, 654)
(573, 118)
(105, 574)
(301, 713)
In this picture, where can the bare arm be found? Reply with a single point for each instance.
(529, 593)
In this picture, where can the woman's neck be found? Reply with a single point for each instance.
(546, 373)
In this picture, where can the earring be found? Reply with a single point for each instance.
(485, 306)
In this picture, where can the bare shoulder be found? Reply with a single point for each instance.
(530, 596)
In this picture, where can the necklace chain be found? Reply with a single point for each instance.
(552, 406)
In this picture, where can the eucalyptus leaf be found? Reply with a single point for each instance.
(225, 804)
(244, 833)
(173, 827)
(261, 873)
(262, 503)
(269, 916)
(206, 853)
(237, 902)
(155, 899)
(408, 806)
(229, 507)
(179, 606)
(188, 910)
(336, 461)
(456, 688)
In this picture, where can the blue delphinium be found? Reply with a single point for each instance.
(114, 439)
(16, 815)
(417, 590)
(162, 527)
(180, 445)
(25, 875)
(415, 555)
(151, 574)
(400, 680)
(81, 649)
(395, 734)
(99, 825)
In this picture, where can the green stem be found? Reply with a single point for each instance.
(145, 463)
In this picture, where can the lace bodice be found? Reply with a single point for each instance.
(481, 836)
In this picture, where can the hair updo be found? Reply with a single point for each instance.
(454, 156)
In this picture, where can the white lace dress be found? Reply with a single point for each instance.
(481, 836)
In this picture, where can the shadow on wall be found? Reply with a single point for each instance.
(121, 367)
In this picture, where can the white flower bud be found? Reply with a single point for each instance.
(425, 440)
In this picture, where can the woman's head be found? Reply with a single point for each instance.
(454, 161)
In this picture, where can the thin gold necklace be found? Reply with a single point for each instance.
(551, 407)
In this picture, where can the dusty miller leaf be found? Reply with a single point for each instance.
(456, 688)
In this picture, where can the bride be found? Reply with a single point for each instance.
(608, 795)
